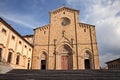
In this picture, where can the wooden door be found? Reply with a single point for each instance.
(64, 62)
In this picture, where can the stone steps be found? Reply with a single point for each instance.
(4, 68)
(19, 74)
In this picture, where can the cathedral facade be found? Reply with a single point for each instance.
(65, 43)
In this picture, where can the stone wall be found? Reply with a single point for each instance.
(12, 42)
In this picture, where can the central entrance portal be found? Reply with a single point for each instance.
(66, 57)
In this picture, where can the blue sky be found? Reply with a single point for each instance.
(24, 15)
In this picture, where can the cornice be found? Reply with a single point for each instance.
(63, 8)
(10, 27)
(43, 27)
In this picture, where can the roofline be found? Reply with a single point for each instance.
(28, 36)
(41, 27)
(113, 60)
(64, 7)
(48, 26)
(87, 24)
(10, 27)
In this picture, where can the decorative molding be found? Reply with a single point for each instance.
(2, 45)
(43, 28)
(64, 9)
(24, 56)
(11, 50)
(86, 25)
(36, 57)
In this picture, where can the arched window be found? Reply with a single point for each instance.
(24, 60)
(9, 57)
(28, 66)
(17, 59)
(0, 54)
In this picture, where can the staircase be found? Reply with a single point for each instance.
(4, 68)
(19, 74)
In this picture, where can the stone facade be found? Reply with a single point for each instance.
(65, 43)
(15, 51)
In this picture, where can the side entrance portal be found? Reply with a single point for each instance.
(87, 64)
(43, 64)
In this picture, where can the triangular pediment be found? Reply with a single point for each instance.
(63, 40)
(63, 44)
(64, 8)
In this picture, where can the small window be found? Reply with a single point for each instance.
(0, 54)
(63, 12)
(20, 42)
(4, 31)
(17, 59)
(84, 30)
(112, 66)
(25, 46)
(29, 49)
(9, 57)
(28, 64)
(115, 65)
(13, 37)
(44, 32)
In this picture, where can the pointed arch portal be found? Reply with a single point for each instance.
(66, 57)
(43, 60)
(87, 60)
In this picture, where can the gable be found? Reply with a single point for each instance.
(64, 9)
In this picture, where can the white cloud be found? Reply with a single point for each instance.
(16, 19)
(107, 57)
(26, 14)
(26, 20)
(102, 13)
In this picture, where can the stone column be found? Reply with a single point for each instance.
(74, 61)
(58, 61)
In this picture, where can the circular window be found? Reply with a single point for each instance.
(65, 21)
